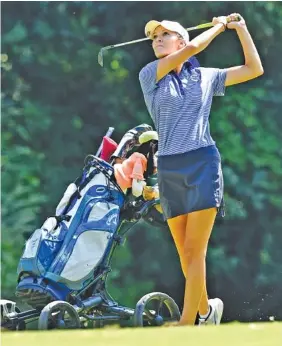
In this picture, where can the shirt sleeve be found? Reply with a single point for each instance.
(217, 78)
(148, 76)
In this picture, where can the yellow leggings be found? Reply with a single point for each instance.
(191, 233)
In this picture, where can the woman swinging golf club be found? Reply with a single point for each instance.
(190, 179)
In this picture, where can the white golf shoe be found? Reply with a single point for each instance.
(216, 310)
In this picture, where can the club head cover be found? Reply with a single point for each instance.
(108, 148)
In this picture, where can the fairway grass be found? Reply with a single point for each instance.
(233, 334)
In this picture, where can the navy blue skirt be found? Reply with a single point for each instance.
(190, 182)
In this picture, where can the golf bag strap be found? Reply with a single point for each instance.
(86, 181)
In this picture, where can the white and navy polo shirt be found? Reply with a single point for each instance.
(180, 105)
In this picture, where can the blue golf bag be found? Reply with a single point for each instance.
(61, 256)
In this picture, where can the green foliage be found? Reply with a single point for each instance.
(57, 103)
(21, 170)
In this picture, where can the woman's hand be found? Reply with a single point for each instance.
(220, 20)
(234, 23)
(253, 66)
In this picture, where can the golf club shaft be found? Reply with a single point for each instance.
(197, 27)
(201, 26)
(126, 43)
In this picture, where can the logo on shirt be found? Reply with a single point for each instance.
(195, 76)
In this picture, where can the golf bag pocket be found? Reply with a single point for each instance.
(89, 243)
(87, 252)
(41, 249)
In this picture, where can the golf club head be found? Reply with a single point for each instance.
(100, 58)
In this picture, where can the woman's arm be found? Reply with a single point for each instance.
(253, 67)
(199, 43)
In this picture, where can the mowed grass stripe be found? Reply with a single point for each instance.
(234, 334)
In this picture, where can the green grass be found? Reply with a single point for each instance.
(234, 334)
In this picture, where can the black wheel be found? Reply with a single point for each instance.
(155, 309)
(8, 307)
(58, 315)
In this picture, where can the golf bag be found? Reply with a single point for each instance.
(62, 255)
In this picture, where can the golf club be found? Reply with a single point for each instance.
(102, 50)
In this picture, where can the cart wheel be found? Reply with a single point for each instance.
(155, 309)
(9, 307)
(58, 315)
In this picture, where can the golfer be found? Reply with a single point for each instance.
(179, 100)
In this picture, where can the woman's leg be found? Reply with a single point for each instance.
(198, 230)
(177, 226)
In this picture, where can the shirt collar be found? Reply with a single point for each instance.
(187, 65)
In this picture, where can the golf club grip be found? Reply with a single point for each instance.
(201, 26)
(208, 25)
